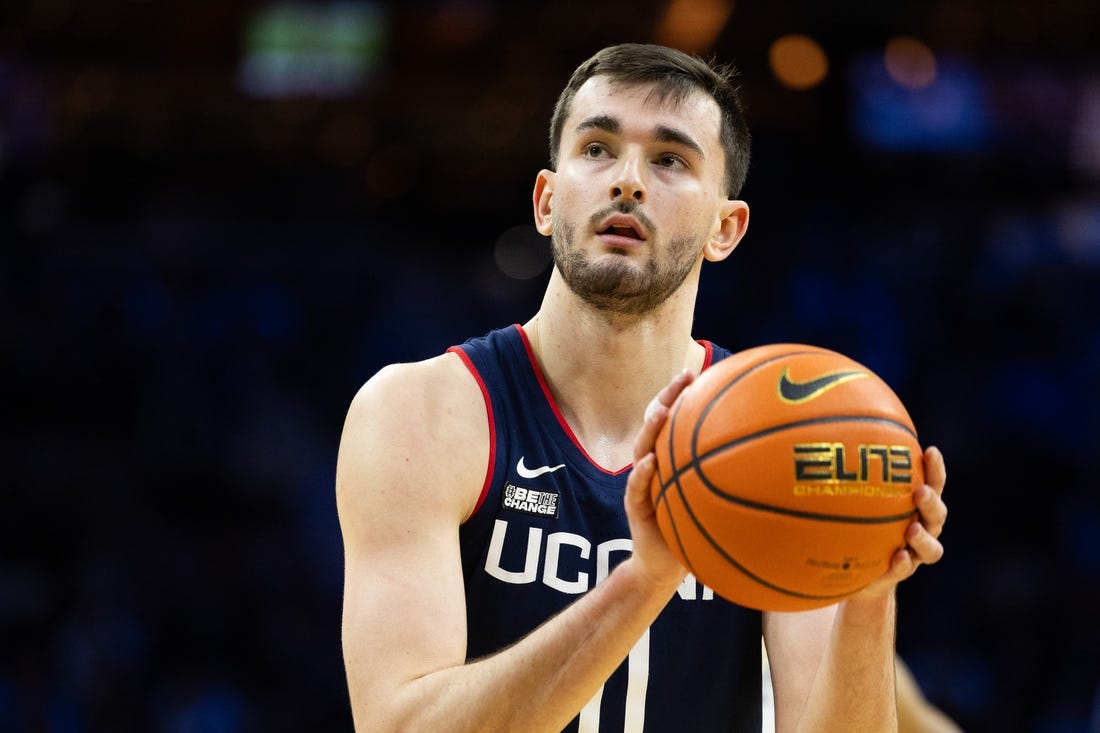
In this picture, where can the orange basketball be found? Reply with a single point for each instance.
(785, 476)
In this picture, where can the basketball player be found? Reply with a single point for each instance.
(504, 570)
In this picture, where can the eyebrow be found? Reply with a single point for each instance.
(662, 133)
(672, 135)
(607, 123)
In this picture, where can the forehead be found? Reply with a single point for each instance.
(643, 107)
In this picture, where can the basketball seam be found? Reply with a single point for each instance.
(696, 459)
(725, 554)
(676, 477)
(725, 388)
(679, 403)
(696, 465)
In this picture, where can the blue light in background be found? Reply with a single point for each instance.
(949, 115)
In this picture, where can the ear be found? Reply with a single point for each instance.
(540, 199)
(731, 228)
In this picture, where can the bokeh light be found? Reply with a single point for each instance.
(798, 62)
(693, 25)
(522, 253)
(910, 62)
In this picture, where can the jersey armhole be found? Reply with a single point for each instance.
(457, 350)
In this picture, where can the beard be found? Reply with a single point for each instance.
(616, 283)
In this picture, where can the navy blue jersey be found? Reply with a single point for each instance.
(550, 524)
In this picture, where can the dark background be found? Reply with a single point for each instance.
(211, 235)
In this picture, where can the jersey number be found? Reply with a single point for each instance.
(637, 680)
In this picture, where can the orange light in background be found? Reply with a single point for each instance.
(799, 62)
(910, 62)
(693, 25)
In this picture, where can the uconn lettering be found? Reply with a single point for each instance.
(545, 559)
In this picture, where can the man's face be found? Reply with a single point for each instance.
(637, 193)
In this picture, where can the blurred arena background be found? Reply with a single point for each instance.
(218, 219)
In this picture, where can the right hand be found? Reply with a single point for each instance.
(655, 560)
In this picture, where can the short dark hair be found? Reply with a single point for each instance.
(676, 75)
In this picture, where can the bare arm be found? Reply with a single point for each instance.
(833, 668)
(412, 461)
(915, 713)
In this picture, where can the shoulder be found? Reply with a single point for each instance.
(411, 391)
(419, 426)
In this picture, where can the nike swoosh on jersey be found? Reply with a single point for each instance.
(526, 472)
(796, 392)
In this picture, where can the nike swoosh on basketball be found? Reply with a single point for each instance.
(526, 472)
(795, 392)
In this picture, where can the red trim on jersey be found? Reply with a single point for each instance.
(492, 428)
(709, 358)
(554, 406)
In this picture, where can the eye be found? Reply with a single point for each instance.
(595, 150)
(669, 160)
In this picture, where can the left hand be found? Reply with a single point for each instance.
(923, 534)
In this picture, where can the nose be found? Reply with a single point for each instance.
(629, 182)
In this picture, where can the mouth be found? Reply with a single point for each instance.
(621, 231)
(622, 227)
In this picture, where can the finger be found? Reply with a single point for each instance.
(638, 482)
(672, 390)
(935, 470)
(657, 412)
(932, 509)
(923, 547)
(902, 565)
(655, 416)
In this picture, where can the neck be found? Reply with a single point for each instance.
(603, 369)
